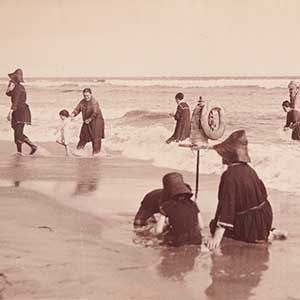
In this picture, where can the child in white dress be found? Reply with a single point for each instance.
(64, 130)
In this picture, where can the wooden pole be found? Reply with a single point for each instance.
(200, 219)
(197, 174)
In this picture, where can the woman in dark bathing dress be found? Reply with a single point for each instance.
(92, 129)
(292, 120)
(243, 212)
(19, 113)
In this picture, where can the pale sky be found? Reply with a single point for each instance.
(150, 37)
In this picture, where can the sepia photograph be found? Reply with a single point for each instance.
(149, 150)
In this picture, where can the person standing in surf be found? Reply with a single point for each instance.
(182, 117)
(293, 93)
(92, 129)
(64, 131)
(243, 212)
(292, 120)
(19, 113)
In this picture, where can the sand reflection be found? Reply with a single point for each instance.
(177, 263)
(237, 271)
(88, 176)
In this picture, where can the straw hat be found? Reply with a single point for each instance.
(174, 185)
(234, 148)
(16, 76)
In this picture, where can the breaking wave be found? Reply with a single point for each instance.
(181, 82)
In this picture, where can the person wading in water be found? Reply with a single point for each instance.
(292, 120)
(182, 117)
(92, 129)
(293, 93)
(19, 113)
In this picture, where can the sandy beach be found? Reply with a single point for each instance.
(67, 234)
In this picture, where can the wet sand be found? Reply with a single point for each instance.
(67, 234)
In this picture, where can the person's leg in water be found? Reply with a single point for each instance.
(67, 149)
(96, 145)
(19, 148)
(21, 138)
(81, 144)
(17, 141)
(31, 145)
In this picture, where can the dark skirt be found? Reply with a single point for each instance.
(93, 131)
(252, 226)
(182, 130)
(296, 132)
(21, 115)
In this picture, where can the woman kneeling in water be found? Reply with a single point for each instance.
(181, 211)
(243, 212)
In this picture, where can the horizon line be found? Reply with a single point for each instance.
(145, 77)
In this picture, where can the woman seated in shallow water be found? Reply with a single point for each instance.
(243, 212)
(181, 211)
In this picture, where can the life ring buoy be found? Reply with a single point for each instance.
(213, 120)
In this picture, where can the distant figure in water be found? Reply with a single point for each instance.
(64, 130)
(19, 113)
(293, 93)
(292, 120)
(243, 212)
(182, 117)
(92, 129)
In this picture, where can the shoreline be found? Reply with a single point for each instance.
(68, 234)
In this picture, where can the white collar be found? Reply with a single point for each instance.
(181, 101)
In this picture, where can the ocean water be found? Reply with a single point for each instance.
(136, 112)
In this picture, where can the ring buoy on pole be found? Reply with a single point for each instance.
(207, 122)
(212, 120)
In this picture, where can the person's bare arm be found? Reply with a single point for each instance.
(76, 111)
(160, 224)
(10, 88)
(215, 241)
